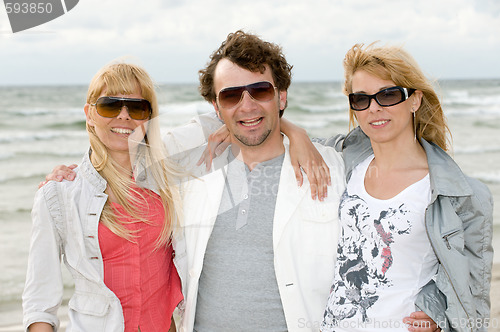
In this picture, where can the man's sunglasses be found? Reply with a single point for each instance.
(260, 91)
(110, 107)
(387, 97)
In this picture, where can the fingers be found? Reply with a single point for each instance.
(217, 143)
(319, 179)
(61, 172)
(314, 180)
(297, 170)
(223, 146)
(323, 175)
(420, 322)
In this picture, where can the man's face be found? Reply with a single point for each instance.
(251, 123)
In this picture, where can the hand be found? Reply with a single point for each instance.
(420, 322)
(40, 327)
(304, 155)
(217, 143)
(172, 326)
(59, 173)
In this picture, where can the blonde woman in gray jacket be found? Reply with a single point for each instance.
(416, 232)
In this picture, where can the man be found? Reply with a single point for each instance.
(260, 251)
(255, 251)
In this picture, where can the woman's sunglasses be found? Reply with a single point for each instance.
(110, 107)
(387, 97)
(260, 91)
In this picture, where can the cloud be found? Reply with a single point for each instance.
(449, 38)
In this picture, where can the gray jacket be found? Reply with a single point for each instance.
(459, 223)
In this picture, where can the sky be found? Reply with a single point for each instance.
(173, 39)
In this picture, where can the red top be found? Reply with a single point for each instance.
(144, 279)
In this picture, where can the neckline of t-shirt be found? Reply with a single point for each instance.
(395, 197)
(274, 162)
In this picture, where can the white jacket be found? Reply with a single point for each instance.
(65, 220)
(305, 234)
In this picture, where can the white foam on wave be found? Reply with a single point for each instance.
(6, 156)
(492, 177)
(476, 149)
(9, 137)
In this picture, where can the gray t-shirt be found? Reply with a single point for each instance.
(238, 290)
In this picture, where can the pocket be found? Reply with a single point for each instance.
(454, 239)
(90, 304)
(320, 212)
(319, 229)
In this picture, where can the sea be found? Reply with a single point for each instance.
(44, 126)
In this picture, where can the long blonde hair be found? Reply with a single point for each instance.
(125, 78)
(395, 64)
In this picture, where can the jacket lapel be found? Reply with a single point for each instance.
(288, 199)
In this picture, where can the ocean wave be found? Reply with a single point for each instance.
(6, 156)
(9, 137)
(488, 177)
(476, 150)
(493, 111)
(36, 154)
(44, 111)
(465, 99)
(78, 124)
(316, 108)
(24, 177)
(185, 108)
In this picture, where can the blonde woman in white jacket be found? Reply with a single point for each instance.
(113, 235)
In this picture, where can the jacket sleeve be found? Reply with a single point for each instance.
(334, 141)
(431, 301)
(478, 233)
(476, 214)
(43, 290)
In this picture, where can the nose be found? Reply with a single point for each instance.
(247, 101)
(374, 106)
(123, 113)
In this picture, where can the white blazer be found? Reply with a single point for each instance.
(305, 233)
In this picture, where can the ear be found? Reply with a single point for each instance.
(282, 101)
(216, 108)
(416, 99)
(86, 108)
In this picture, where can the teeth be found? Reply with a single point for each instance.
(122, 130)
(378, 123)
(251, 123)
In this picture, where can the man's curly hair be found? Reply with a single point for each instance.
(252, 53)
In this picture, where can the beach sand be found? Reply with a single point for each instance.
(495, 299)
(15, 316)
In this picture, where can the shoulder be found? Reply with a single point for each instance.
(332, 157)
(53, 189)
(481, 192)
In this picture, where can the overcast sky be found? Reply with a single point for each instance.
(173, 39)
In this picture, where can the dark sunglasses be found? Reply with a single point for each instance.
(110, 107)
(387, 97)
(260, 91)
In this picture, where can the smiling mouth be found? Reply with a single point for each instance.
(379, 123)
(122, 130)
(251, 123)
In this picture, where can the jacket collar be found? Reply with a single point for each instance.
(91, 174)
(446, 177)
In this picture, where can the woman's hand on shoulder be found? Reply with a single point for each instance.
(218, 141)
(59, 173)
(305, 156)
